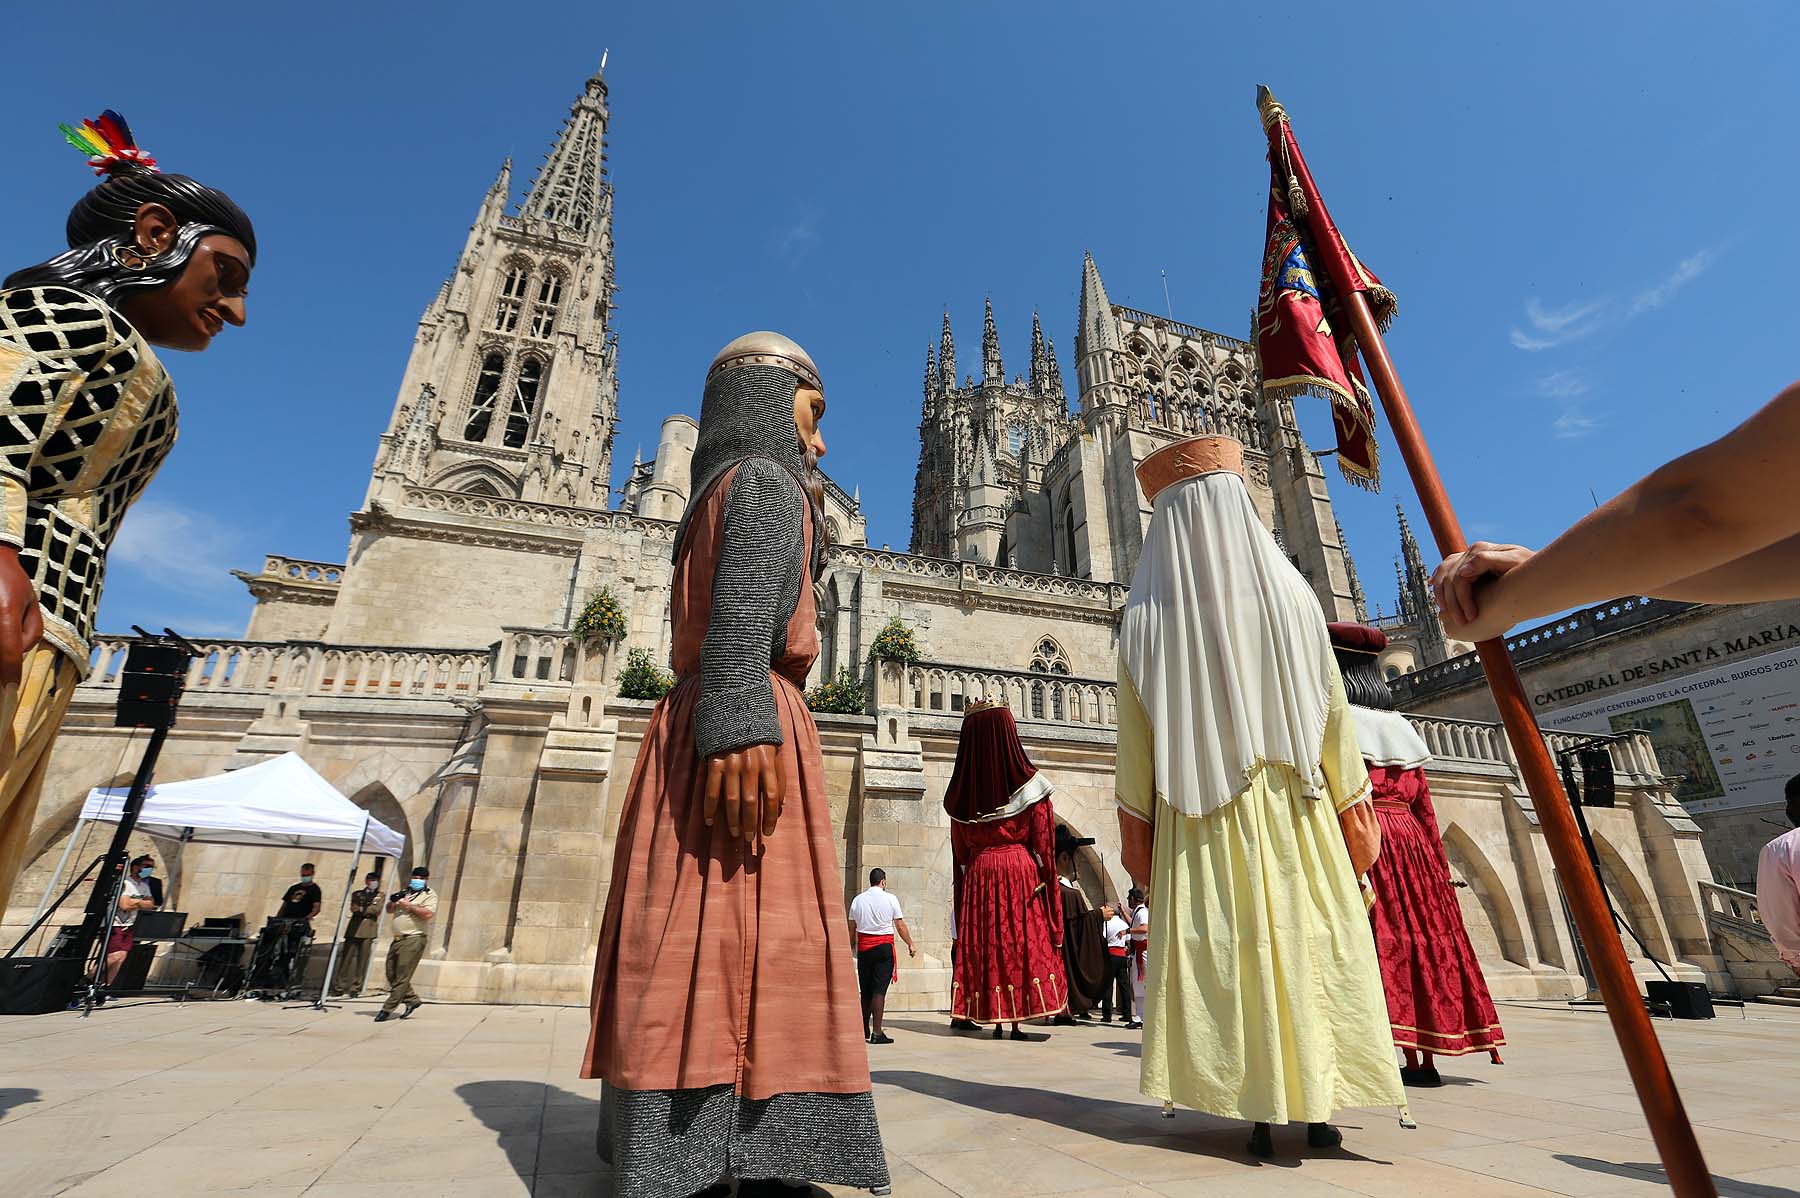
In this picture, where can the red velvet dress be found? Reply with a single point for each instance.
(1437, 1000)
(1009, 959)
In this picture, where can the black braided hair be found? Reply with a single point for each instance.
(105, 219)
(1363, 684)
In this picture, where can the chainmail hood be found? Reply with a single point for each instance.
(747, 411)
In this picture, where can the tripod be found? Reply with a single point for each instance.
(103, 904)
(51, 908)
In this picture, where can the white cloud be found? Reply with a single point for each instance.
(1573, 425)
(1562, 384)
(1549, 328)
(794, 242)
(1689, 269)
(1552, 328)
(1565, 389)
(181, 549)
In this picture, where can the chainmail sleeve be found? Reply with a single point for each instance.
(756, 586)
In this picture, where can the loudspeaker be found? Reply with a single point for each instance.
(150, 685)
(1686, 1000)
(1596, 776)
(37, 985)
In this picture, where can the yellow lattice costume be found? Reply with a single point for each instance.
(87, 414)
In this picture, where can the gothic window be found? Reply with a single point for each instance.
(543, 316)
(487, 385)
(1069, 535)
(1393, 672)
(1015, 438)
(524, 403)
(1048, 658)
(512, 299)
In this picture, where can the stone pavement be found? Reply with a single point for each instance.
(154, 1098)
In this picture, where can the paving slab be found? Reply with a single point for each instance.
(485, 1102)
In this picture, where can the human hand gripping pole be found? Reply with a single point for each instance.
(1673, 1134)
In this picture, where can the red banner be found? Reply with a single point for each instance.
(1305, 263)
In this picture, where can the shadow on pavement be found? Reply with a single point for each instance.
(1728, 1187)
(12, 1096)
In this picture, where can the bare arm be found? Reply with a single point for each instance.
(1709, 508)
(1769, 573)
(900, 926)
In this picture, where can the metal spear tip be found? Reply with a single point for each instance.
(1269, 106)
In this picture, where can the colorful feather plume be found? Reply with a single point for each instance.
(108, 143)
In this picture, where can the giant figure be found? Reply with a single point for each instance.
(1437, 1000)
(726, 1025)
(1009, 909)
(87, 415)
(1244, 807)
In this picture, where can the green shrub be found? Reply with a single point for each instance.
(601, 620)
(842, 695)
(642, 678)
(895, 642)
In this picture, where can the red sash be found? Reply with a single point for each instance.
(865, 942)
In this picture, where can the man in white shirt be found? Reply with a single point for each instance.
(1118, 967)
(1139, 905)
(134, 896)
(1778, 884)
(875, 917)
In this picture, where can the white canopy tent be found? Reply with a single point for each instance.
(278, 803)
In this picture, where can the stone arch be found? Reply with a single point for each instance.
(1631, 901)
(379, 801)
(1494, 928)
(1090, 871)
(477, 478)
(44, 848)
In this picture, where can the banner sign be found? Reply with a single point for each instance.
(1731, 733)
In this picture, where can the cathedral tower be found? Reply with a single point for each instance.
(511, 388)
(983, 446)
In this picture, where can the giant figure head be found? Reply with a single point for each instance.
(763, 399)
(170, 254)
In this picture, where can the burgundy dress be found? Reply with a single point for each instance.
(1009, 908)
(1009, 959)
(1437, 1000)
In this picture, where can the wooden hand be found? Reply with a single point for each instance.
(748, 788)
(21, 623)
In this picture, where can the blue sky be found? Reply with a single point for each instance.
(1582, 207)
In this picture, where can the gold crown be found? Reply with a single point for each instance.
(982, 705)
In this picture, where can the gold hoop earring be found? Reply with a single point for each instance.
(131, 257)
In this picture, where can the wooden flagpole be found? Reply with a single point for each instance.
(1674, 1135)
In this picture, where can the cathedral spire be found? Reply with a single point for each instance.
(931, 376)
(1357, 599)
(946, 358)
(991, 369)
(1415, 593)
(1040, 363)
(1054, 371)
(570, 189)
(1098, 330)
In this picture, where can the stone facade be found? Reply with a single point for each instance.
(1572, 660)
(433, 679)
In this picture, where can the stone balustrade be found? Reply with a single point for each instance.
(524, 656)
(1735, 908)
(1533, 644)
(293, 569)
(939, 688)
(309, 668)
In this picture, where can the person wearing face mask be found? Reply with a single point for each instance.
(144, 870)
(359, 934)
(302, 899)
(412, 909)
(134, 895)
